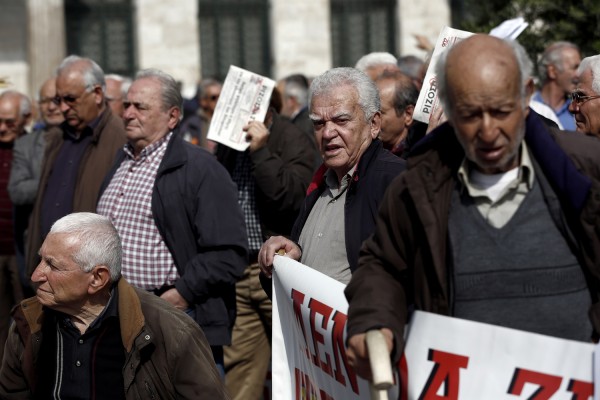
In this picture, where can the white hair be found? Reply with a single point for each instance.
(593, 64)
(374, 59)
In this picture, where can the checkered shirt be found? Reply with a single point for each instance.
(242, 176)
(147, 262)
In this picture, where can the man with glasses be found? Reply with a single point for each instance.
(27, 167)
(495, 219)
(585, 100)
(195, 127)
(78, 153)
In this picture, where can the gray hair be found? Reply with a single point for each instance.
(368, 95)
(373, 59)
(593, 64)
(92, 73)
(405, 91)
(294, 88)
(204, 85)
(553, 55)
(442, 83)
(98, 242)
(123, 80)
(411, 66)
(24, 102)
(170, 93)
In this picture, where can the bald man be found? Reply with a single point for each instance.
(493, 203)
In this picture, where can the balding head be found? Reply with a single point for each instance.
(482, 92)
(15, 110)
(48, 108)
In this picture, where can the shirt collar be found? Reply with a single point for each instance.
(150, 150)
(331, 179)
(526, 172)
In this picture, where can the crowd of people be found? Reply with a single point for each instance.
(136, 254)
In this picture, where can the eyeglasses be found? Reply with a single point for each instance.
(214, 97)
(70, 100)
(579, 98)
(10, 122)
(47, 100)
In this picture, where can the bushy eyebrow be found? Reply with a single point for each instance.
(316, 118)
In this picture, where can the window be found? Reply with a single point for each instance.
(234, 32)
(360, 27)
(103, 31)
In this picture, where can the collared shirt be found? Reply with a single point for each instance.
(86, 362)
(323, 238)
(242, 176)
(147, 261)
(498, 196)
(565, 117)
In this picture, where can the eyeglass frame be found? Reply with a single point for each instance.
(578, 98)
(72, 100)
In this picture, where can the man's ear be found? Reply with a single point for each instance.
(551, 71)
(99, 279)
(408, 115)
(375, 125)
(174, 114)
(98, 94)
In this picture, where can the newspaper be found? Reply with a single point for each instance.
(245, 97)
(428, 102)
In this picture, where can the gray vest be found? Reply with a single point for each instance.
(521, 276)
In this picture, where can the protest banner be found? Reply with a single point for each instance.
(244, 97)
(444, 358)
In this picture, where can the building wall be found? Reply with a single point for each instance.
(301, 37)
(425, 18)
(167, 38)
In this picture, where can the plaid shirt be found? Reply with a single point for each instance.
(242, 176)
(147, 262)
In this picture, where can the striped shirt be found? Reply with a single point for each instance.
(147, 262)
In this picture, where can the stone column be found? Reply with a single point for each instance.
(47, 41)
(426, 18)
(168, 39)
(301, 37)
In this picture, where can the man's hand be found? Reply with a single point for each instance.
(358, 354)
(271, 247)
(437, 118)
(173, 297)
(257, 134)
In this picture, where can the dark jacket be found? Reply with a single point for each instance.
(108, 136)
(375, 170)
(282, 171)
(195, 208)
(167, 356)
(406, 263)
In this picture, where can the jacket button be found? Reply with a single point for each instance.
(147, 337)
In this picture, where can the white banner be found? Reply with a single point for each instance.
(444, 358)
(245, 97)
(309, 331)
(451, 358)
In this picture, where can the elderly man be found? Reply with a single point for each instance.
(398, 98)
(338, 213)
(176, 210)
(116, 91)
(492, 204)
(27, 168)
(89, 335)
(78, 153)
(585, 103)
(558, 74)
(195, 127)
(15, 111)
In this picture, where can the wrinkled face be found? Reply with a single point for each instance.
(341, 131)
(12, 123)
(586, 112)
(114, 97)
(488, 114)
(50, 111)
(393, 125)
(567, 78)
(209, 99)
(78, 105)
(59, 281)
(145, 119)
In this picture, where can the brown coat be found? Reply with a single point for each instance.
(166, 353)
(405, 264)
(108, 137)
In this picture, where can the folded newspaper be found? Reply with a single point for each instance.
(245, 97)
